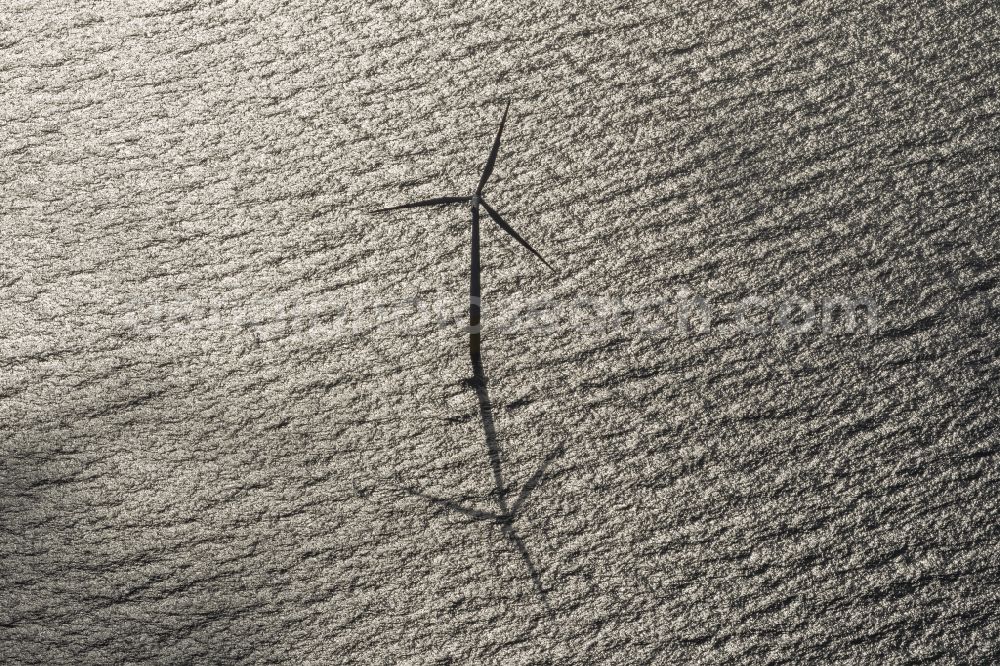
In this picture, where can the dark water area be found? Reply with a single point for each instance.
(751, 417)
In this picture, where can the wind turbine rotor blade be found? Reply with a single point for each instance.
(437, 201)
(488, 169)
(510, 230)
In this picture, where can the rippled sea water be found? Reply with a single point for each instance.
(235, 429)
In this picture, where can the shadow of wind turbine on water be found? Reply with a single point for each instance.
(508, 513)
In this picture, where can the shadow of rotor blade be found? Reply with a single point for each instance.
(535, 480)
(438, 201)
(536, 578)
(492, 160)
(489, 429)
(510, 230)
(454, 506)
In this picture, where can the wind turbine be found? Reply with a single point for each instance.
(474, 202)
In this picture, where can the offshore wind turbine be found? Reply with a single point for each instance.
(474, 202)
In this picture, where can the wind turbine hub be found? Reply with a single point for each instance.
(474, 200)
